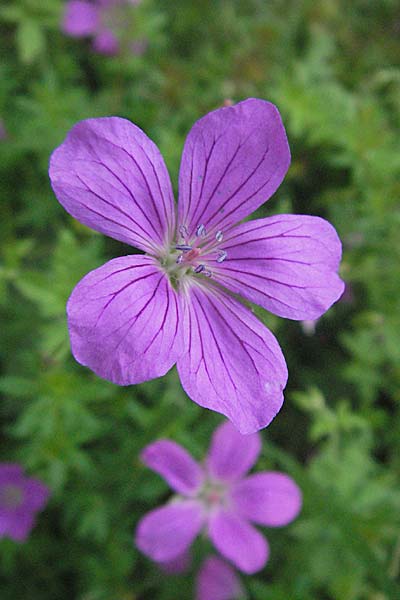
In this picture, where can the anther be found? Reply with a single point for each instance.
(199, 269)
(179, 259)
(221, 256)
(183, 231)
(219, 236)
(207, 273)
(201, 231)
(183, 247)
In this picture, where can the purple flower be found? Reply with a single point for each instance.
(20, 498)
(218, 499)
(3, 131)
(100, 19)
(136, 316)
(217, 580)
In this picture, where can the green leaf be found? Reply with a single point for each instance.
(30, 40)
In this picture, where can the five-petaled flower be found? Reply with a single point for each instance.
(218, 499)
(102, 20)
(136, 316)
(21, 498)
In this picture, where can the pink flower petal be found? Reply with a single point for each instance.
(238, 541)
(232, 363)
(271, 499)
(166, 533)
(123, 321)
(110, 176)
(80, 18)
(233, 161)
(217, 580)
(232, 454)
(175, 464)
(288, 264)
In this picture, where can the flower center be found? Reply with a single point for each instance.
(193, 254)
(213, 495)
(11, 496)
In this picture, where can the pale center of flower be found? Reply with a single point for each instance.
(213, 494)
(194, 255)
(11, 496)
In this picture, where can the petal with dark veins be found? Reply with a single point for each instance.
(231, 362)
(123, 320)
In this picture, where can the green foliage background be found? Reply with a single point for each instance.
(330, 66)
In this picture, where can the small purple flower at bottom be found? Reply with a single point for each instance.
(217, 580)
(21, 498)
(102, 20)
(217, 499)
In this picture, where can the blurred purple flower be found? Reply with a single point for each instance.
(3, 131)
(20, 498)
(217, 498)
(136, 316)
(217, 580)
(100, 19)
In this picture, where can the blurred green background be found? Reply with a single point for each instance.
(330, 67)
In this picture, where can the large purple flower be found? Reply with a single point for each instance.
(100, 19)
(20, 499)
(218, 499)
(135, 317)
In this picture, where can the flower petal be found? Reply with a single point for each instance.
(217, 580)
(36, 494)
(232, 454)
(288, 264)
(110, 176)
(123, 321)
(80, 18)
(106, 42)
(233, 160)
(269, 498)
(17, 526)
(11, 473)
(238, 541)
(175, 464)
(232, 363)
(166, 533)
